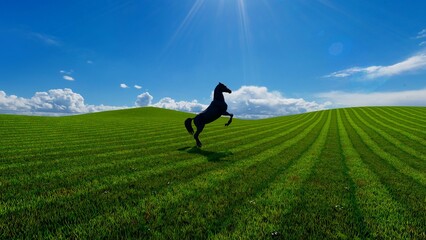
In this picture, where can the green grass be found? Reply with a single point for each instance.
(335, 174)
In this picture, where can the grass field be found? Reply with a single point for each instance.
(346, 173)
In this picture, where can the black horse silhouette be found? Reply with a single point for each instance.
(216, 109)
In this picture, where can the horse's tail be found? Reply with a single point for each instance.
(188, 125)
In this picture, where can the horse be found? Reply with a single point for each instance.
(217, 108)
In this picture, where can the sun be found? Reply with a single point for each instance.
(202, 5)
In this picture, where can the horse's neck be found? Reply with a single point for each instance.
(218, 96)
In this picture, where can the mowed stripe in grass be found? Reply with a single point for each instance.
(407, 151)
(327, 193)
(102, 146)
(122, 162)
(100, 170)
(388, 137)
(105, 142)
(263, 214)
(175, 207)
(200, 159)
(127, 157)
(383, 216)
(409, 193)
(414, 112)
(386, 115)
(394, 128)
(406, 117)
(135, 174)
(92, 143)
(395, 162)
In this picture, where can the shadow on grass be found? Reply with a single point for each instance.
(211, 156)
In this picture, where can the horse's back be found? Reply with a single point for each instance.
(213, 111)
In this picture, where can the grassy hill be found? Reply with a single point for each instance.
(346, 173)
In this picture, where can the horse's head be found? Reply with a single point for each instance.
(222, 88)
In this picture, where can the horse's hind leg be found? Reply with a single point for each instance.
(200, 127)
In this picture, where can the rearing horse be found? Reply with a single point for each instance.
(216, 109)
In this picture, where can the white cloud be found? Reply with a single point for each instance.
(143, 99)
(421, 34)
(245, 102)
(422, 43)
(89, 62)
(68, 78)
(400, 98)
(46, 39)
(67, 75)
(249, 102)
(137, 87)
(259, 102)
(411, 64)
(58, 100)
(70, 72)
(13, 103)
(169, 103)
(124, 85)
(52, 102)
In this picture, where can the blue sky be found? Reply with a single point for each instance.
(280, 56)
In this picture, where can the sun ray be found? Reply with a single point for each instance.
(186, 21)
(243, 21)
(245, 38)
(239, 18)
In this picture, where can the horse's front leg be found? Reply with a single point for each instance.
(230, 119)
